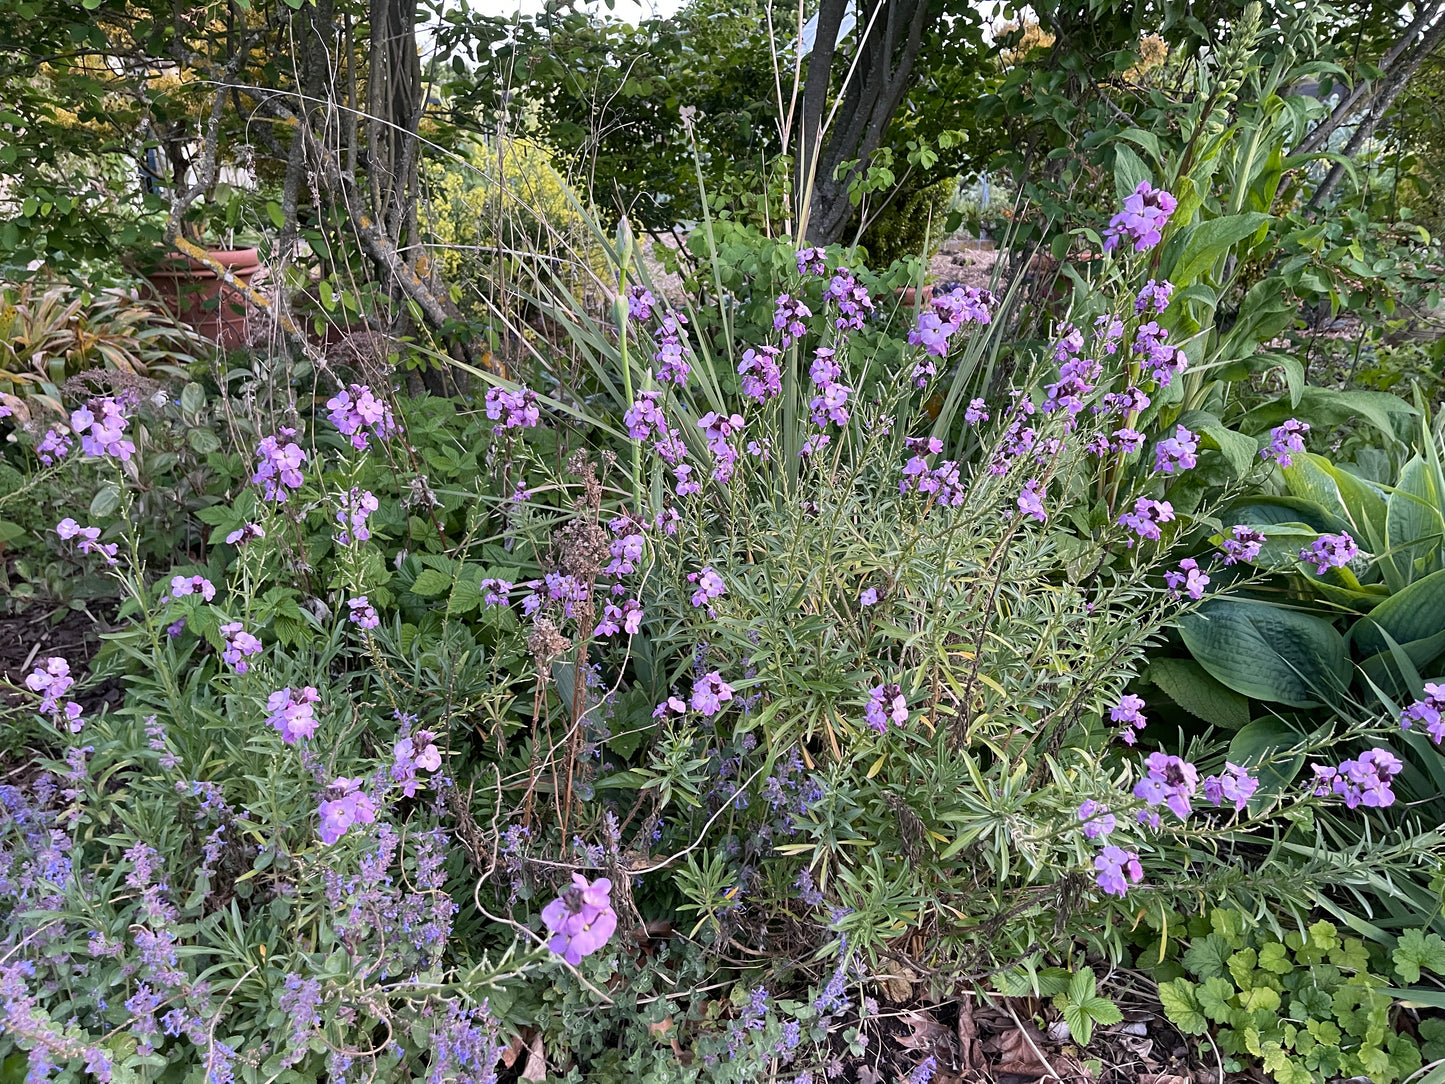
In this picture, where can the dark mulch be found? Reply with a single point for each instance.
(38, 633)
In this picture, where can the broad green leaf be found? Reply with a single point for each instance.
(1267, 652)
(1412, 615)
(1309, 478)
(1129, 171)
(1257, 747)
(1189, 685)
(1208, 241)
(1416, 950)
(1364, 505)
(1414, 528)
(1240, 451)
(1182, 1006)
(1208, 956)
(430, 581)
(1213, 995)
(1264, 510)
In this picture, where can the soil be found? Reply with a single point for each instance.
(35, 634)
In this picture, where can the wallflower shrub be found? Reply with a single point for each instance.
(760, 679)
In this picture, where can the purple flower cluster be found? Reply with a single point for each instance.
(293, 713)
(1129, 713)
(356, 505)
(54, 445)
(1365, 781)
(709, 693)
(1144, 521)
(1075, 383)
(788, 318)
(948, 313)
(1189, 579)
(1113, 865)
(1154, 297)
(512, 409)
(51, 679)
(1163, 361)
(239, 645)
(829, 404)
(671, 356)
(886, 703)
(413, 753)
(182, 586)
(1242, 546)
(89, 539)
(854, 303)
(812, 261)
(1142, 221)
(244, 534)
(360, 415)
(1234, 785)
(1330, 551)
(1168, 781)
(345, 804)
(975, 412)
(1031, 501)
(362, 613)
(1098, 821)
(278, 464)
(761, 378)
(625, 618)
(101, 424)
(1176, 453)
(1427, 712)
(581, 919)
(942, 483)
(709, 586)
(639, 303)
(1285, 442)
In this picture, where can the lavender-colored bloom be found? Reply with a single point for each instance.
(1113, 864)
(192, 585)
(830, 405)
(1129, 440)
(1286, 441)
(512, 409)
(640, 302)
(101, 425)
(1189, 578)
(52, 680)
(1129, 713)
(1144, 521)
(868, 597)
(812, 261)
(362, 613)
(1365, 781)
(709, 586)
(1176, 453)
(245, 533)
(709, 693)
(352, 514)
(239, 644)
(671, 355)
(360, 415)
(789, 316)
(923, 1072)
(1154, 297)
(1031, 501)
(886, 703)
(1098, 821)
(1142, 221)
(293, 713)
(278, 465)
(1330, 551)
(1108, 330)
(1243, 546)
(975, 412)
(175, 628)
(644, 416)
(931, 332)
(54, 445)
(965, 305)
(825, 368)
(1164, 361)
(807, 890)
(581, 919)
(413, 753)
(89, 539)
(1427, 712)
(761, 378)
(345, 804)
(1235, 785)
(1168, 781)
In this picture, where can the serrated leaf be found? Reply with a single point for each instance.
(1274, 957)
(1416, 950)
(1182, 1006)
(430, 582)
(1213, 996)
(1208, 956)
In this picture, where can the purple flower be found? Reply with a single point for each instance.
(175, 628)
(640, 302)
(615, 619)
(709, 586)
(1190, 578)
(1176, 452)
(345, 804)
(412, 753)
(1169, 781)
(761, 378)
(239, 644)
(830, 404)
(1163, 361)
(293, 714)
(1108, 330)
(362, 613)
(1130, 440)
(671, 355)
(512, 409)
(1154, 297)
(192, 585)
(359, 415)
(89, 539)
(1098, 821)
(1145, 519)
(789, 316)
(886, 703)
(931, 332)
(55, 445)
(1235, 785)
(581, 919)
(1113, 863)
(644, 416)
(1286, 441)
(241, 535)
(965, 305)
(52, 680)
(352, 514)
(1031, 502)
(1129, 712)
(1142, 221)
(709, 693)
(1330, 551)
(1360, 782)
(825, 368)
(923, 1072)
(102, 424)
(868, 597)
(812, 261)
(278, 464)
(854, 303)
(975, 412)
(1244, 546)
(1427, 712)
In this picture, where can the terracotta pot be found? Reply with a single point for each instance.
(196, 295)
(908, 295)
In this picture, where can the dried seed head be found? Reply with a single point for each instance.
(546, 643)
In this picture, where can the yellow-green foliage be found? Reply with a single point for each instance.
(484, 211)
